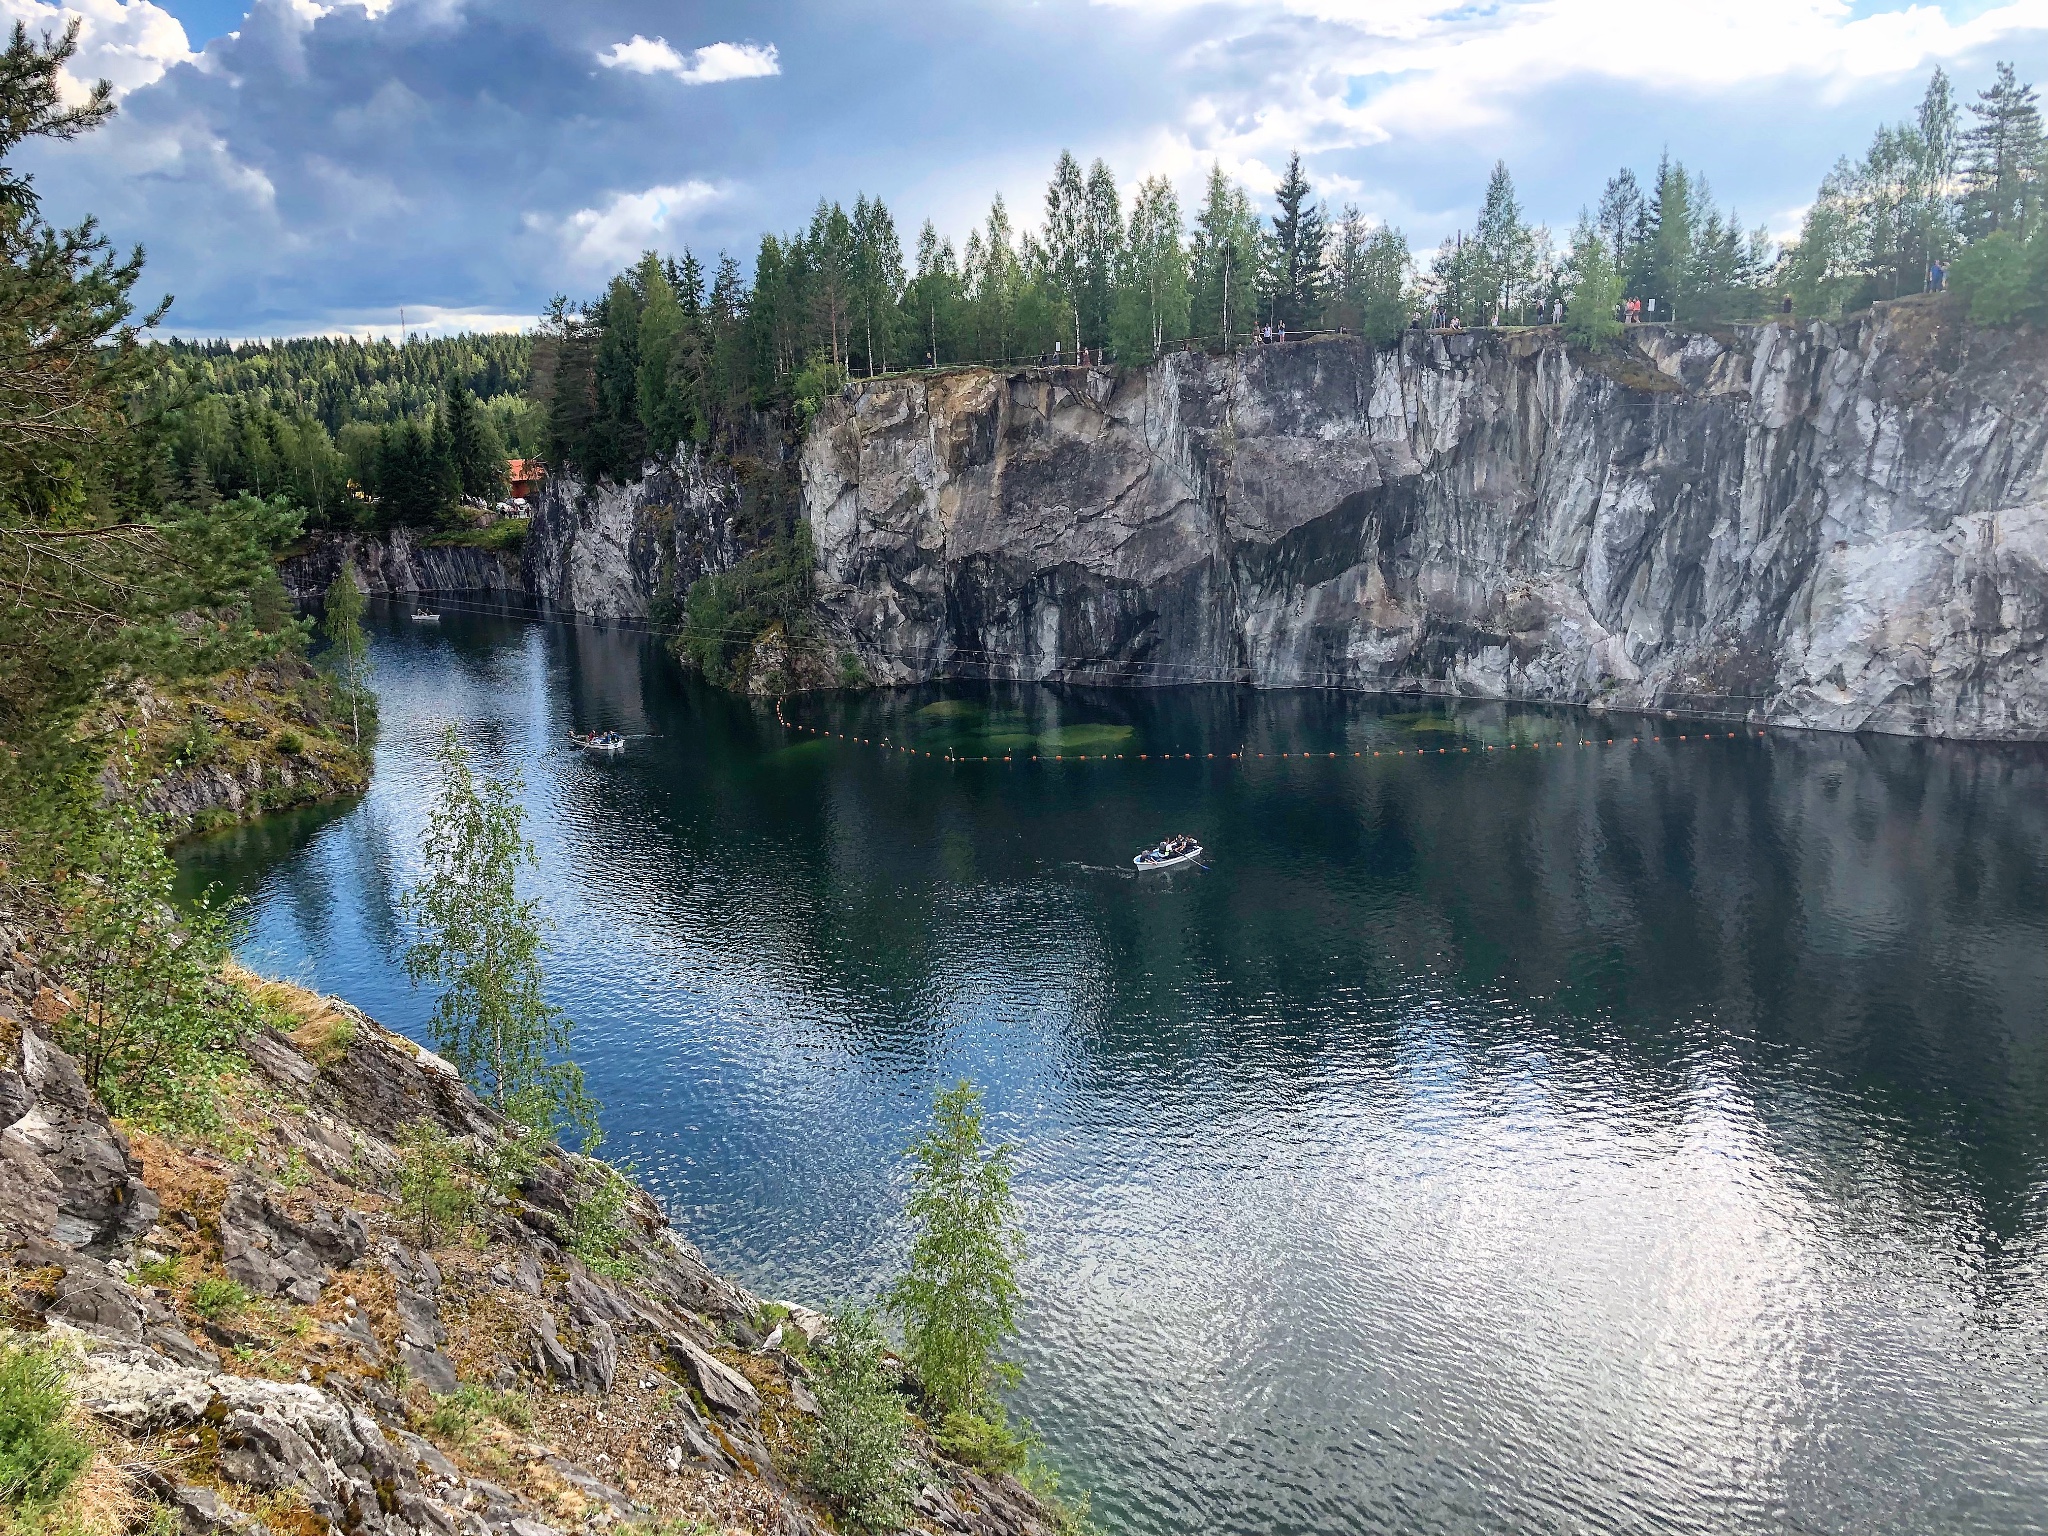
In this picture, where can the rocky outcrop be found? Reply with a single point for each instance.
(202, 754)
(396, 563)
(624, 551)
(373, 1377)
(1841, 526)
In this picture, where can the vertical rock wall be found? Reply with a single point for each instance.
(1842, 526)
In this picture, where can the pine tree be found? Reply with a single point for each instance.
(1294, 253)
(2001, 158)
(96, 587)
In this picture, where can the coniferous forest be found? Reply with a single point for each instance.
(675, 351)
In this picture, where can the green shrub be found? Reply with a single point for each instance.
(217, 1297)
(726, 612)
(2003, 278)
(195, 744)
(959, 1300)
(431, 1194)
(985, 1442)
(597, 1235)
(291, 743)
(163, 1271)
(154, 1023)
(1069, 1511)
(854, 1448)
(40, 1455)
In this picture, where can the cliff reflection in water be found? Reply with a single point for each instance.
(1635, 1138)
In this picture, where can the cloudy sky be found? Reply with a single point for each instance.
(295, 166)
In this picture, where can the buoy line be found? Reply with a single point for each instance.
(884, 744)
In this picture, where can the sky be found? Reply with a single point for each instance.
(295, 167)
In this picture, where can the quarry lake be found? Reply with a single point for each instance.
(1636, 1138)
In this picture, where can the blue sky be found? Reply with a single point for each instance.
(297, 165)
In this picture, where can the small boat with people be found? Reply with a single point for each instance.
(1176, 851)
(425, 616)
(600, 741)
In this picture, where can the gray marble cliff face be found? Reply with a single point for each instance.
(1840, 526)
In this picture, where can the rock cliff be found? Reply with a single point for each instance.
(1831, 525)
(396, 563)
(265, 1340)
(611, 552)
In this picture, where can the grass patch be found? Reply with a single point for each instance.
(507, 535)
(41, 1456)
(456, 1418)
(218, 1297)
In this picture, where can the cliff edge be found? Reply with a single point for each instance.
(1842, 526)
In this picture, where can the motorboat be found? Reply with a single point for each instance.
(1176, 851)
(423, 616)
(600, 741)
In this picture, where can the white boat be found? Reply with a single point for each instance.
(421, 616)
(1171, 854)
(600, 741)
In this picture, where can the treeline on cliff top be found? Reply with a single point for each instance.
(669, 353)
(364, 434)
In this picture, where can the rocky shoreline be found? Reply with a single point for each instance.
(204, 755)
(492, 1383)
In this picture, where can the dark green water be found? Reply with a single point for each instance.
(1641, 1138)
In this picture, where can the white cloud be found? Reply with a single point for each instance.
(1351, 73)
(128, 42)
(627, 223)
(706, 66)
(383, 325)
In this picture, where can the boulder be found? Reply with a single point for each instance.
(66, 1175)
(725, 1389)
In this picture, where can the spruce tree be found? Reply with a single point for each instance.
(1295, 252)
(1504, 251)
